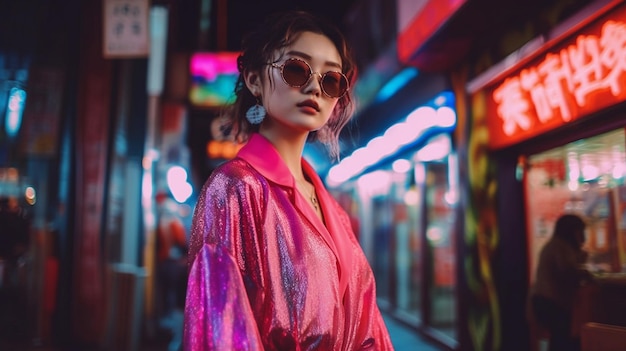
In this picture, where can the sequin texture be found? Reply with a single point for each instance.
(267, 274)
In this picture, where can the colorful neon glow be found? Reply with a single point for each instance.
(213, 78)
(418, 125)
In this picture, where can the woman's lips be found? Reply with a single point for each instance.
(310, 105)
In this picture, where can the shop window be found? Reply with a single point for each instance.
(586, 177)
(440, 240)
(408, 200)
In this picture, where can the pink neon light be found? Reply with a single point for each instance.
(210, 65)
(214, 76)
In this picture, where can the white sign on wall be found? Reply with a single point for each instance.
(126, 28)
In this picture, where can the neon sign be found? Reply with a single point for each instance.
(579, 77)
(213, 78)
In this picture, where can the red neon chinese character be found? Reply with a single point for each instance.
(530, 81)
(613, 54)
(587, 67)
(512, 106)
(556, 70)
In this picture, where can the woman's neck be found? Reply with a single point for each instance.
(290, 150)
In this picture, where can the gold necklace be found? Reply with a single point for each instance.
(312, 197)
(314, 201)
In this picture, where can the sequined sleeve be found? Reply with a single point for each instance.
(218, 315)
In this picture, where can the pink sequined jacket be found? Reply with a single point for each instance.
(267, 274)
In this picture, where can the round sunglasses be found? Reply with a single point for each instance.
(296, 73)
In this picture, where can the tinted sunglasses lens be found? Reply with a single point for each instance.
(296, 73)
(334, 84)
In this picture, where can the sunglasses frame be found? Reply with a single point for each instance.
(311, 73)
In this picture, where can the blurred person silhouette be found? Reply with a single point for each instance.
(559, 275)
(274, 262)
(171, 248)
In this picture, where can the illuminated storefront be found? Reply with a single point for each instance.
(404, 190)
(579, 85)
(555, 116)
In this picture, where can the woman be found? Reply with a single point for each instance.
(559, 276)
(275, 264)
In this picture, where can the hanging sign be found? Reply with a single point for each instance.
(126, 28)
(582, 75)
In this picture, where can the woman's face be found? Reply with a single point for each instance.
(300, 109)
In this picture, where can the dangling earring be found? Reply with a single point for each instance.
(256, 114)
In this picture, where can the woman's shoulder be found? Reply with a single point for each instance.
(236, 170)
(233, 175)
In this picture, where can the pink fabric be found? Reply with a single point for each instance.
(267, 274)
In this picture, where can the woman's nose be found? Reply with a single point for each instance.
(314, 84)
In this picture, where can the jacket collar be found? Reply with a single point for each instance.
(264, 157)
